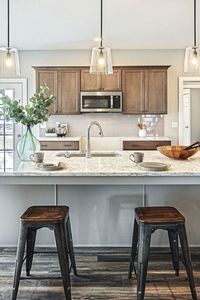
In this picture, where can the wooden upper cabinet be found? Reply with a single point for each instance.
(112, 82)
(89, 82)
(49, 77)
(64, 84)
(99, 82)
(133, 91)
(68, 91)
(145, 90)
(156, 91)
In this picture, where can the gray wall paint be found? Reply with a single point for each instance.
(100, 216)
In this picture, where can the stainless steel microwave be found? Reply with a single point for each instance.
(101, 102)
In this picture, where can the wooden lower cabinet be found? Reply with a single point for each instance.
(61, 145)
(144, 145)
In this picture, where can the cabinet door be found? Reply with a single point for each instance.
(55, 145)
(68, 91)
(156, 91)
(133, 91)
(90, 82)
(111, 82)
(144, 145)
(48, 77)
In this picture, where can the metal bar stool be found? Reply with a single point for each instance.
(57, 219)
(147, 220)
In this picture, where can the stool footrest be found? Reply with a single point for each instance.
(35, 277)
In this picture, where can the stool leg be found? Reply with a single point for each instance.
(31, 236)
(19, 259)
(173, 241)
(143, 256)
(70, 246)
(60, 236)
(133, 249)
(187, 259)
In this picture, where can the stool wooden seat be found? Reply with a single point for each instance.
(57, 219)
(147, 220)
(52, 214)
(154, 215)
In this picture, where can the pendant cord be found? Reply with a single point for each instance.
(8, 24)
(101, 28)
(195, 23)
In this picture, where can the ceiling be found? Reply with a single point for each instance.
(128, 24)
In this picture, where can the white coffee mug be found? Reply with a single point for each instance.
(37, 157)
(137, 157)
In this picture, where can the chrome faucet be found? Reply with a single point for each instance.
(88, 147)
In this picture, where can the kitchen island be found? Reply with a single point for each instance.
(112, 186)
(118, 166)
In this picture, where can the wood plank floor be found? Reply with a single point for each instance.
(98, 280)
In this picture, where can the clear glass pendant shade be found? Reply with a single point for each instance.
(192, 60)
(9, 62)
(101, 61)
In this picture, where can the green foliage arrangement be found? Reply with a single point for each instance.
(31, 114)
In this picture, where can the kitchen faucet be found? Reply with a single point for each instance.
(88, 146)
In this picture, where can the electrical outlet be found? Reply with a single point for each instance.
(174, 124)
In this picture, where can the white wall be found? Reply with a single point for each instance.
(120, 57)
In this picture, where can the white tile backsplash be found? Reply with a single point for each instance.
(113, 124)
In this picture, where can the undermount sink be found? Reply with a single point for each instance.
(93, 154)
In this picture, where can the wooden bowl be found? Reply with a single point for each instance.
(177, 152)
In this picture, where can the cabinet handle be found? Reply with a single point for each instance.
(67, 145)
(44, 145)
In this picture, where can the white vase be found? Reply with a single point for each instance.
(142, 133)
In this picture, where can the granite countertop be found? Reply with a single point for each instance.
(59, 139)
(110, 166)
(130, 138)
(146, 139)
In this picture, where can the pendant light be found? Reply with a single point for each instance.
(9, 58)
(192, 54)
(101, 61)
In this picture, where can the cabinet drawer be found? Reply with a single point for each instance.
(144, 145)
(65, 145)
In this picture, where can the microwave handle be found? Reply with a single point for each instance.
(111, 101)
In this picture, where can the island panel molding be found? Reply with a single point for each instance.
(144, 88)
